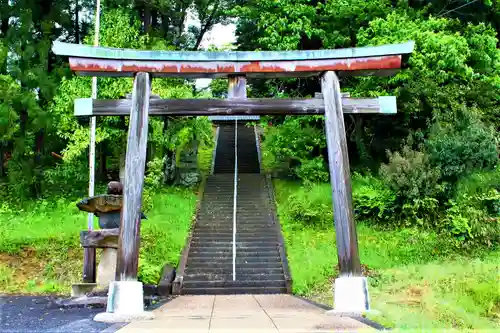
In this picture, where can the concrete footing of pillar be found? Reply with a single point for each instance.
(125, 303)
(351, 296)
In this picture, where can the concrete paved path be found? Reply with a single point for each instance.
(244, 313)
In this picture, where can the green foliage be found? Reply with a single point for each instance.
(164, 233)
(312, 170)
(417, 280)
(416, 184)
(310, 206)
(473, 216)
(37, 91)
(152, 182)
(455, 65)
(372, 199)
(462, 147)
(45, 234)
(297, 141)
(148, 273)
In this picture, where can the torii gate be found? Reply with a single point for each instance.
(350, 288)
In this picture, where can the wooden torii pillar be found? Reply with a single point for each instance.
(350, 288)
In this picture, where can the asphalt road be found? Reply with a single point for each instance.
(26, 314)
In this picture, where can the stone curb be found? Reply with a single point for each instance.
(359, 318)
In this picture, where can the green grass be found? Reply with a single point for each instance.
(40, 250)
(415, 282)
(165, 231)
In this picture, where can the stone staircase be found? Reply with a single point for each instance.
(260, 265)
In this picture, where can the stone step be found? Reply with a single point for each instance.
(233, 291)
(229, 248)
(229, 265)
(241, 243)
(233, 284)
(241, 258)
(239, 237)
(229, 252)
(245, 229)
(229, 270)
(229, 277)
(216, 233)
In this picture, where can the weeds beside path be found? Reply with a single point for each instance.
(415, 283)
(40, 251)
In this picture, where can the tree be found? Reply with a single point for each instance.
(166, 137)
(455, 63)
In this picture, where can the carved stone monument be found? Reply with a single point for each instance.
(188, 173)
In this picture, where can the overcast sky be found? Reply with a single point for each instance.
(219, 36)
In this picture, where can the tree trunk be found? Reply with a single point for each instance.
(39, 143)
(4, 16)
(154, 19)
(77, 23)
(147, 17)
(4, 26)
(2, 171)
(205, 27)
(495, 19)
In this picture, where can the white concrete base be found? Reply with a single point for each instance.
(107, 317)
(125, 303)
(351, 314)
(351, 295)
(106, 268)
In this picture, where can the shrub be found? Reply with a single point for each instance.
(416, 185)
(312, 171)
(312, 205)
(470, 224)
(411, 175)
(372, 199)
(473, 216)
(147, 272)
(298, 142)
(462, 147)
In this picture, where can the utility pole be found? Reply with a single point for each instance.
(89, 255)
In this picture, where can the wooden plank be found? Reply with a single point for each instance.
(272, 68)
(89, 265)
(223, 107)
(104, 238)
(135, 160)
(340, 177)
(384, 72)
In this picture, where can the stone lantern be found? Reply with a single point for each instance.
(107, 207)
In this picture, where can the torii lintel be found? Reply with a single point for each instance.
(103, 61)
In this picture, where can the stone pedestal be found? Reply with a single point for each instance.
(351, 296)
(107, 268)
(125, 303)
(107, 240)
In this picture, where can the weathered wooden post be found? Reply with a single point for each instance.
(351, 293)
(125, 295)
